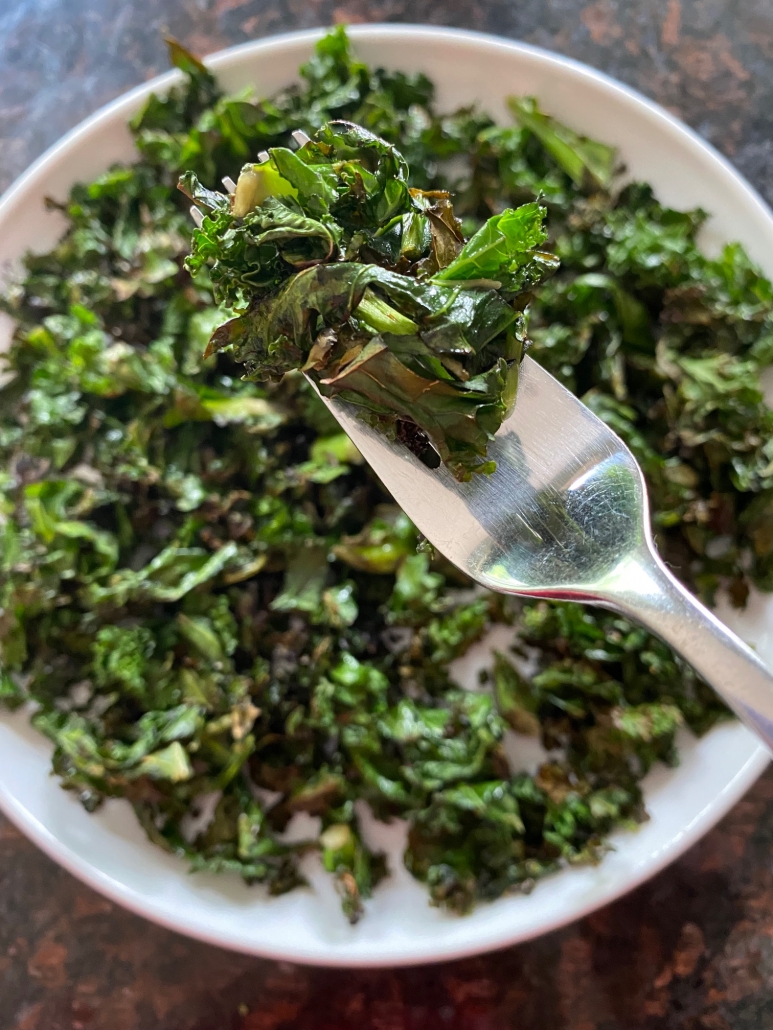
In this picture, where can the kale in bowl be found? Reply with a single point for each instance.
(212, 602)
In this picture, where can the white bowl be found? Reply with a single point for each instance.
(108, 850)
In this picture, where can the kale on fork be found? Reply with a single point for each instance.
(334, 265)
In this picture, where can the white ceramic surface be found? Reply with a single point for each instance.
(108, 850)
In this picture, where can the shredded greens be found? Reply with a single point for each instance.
(219, 614)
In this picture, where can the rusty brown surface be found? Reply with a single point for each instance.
(693, 949)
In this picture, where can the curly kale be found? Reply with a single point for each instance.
(339, 268)
(216, 609)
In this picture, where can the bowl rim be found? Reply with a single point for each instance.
(221, 58)
(758, 758)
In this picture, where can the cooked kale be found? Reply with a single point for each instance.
(212, 602)
(339, 268)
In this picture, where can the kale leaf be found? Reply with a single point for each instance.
(336, 266)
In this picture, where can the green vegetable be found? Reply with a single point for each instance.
(337, 267)
(212, 602)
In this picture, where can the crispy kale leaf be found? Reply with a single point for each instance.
(336, 266)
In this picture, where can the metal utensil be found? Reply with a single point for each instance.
(564, 516)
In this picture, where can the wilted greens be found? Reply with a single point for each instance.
(219, 613)
(339, 268)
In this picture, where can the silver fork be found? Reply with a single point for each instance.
(563, 517)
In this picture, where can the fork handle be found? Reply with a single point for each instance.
(646, 591)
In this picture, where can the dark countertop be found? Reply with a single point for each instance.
(692, 949)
